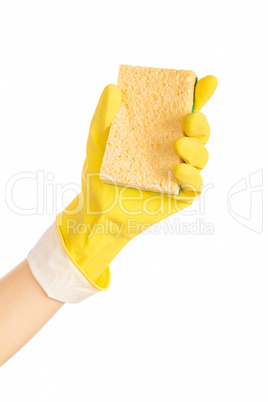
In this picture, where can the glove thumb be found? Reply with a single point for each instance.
(105, 112)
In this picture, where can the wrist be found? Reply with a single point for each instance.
(56, 272)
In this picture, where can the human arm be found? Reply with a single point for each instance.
(25, 308)
(71, 260)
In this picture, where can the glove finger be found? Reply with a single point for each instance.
(196, 125)
(189, 179)
(105, 112)
(192, 151)
(204, 89)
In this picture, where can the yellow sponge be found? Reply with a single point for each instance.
(139, 152)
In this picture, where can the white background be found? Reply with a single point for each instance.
(185, 318)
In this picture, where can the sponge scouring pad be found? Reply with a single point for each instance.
(139, 151)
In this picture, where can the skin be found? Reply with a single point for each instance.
(25, 309)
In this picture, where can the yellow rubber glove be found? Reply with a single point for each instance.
(103, 218)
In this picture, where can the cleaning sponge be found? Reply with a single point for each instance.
(139, 151)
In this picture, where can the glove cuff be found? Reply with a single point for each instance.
(56, 272)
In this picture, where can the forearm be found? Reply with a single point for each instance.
(24, 309)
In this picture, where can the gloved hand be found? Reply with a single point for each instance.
(103, 218)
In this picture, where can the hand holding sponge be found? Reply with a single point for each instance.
(103, 218)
